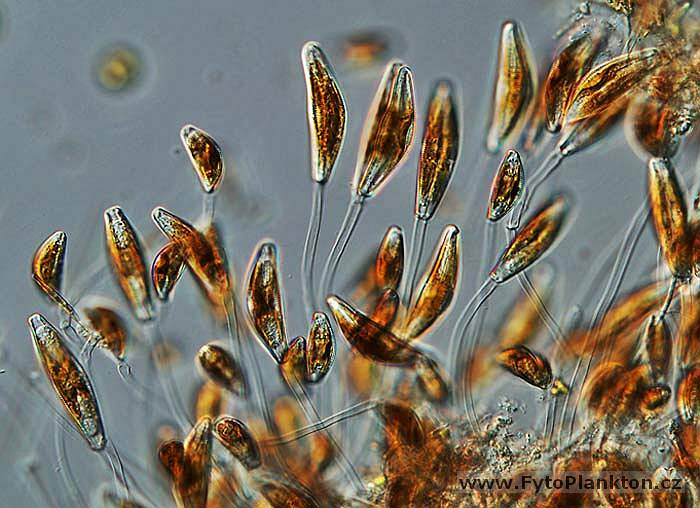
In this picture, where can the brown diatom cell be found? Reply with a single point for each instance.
(515, 87)
(688, 395)
(386, 309)
(191, 488)
(363, 375)
(670, 216)
(110, 326)
(48, 262)
(283, 494)
(617, 393)
(432, 380)
(69, 380)
(600, 384)
(388, 131)
(651, 127)
(389, 264)
(687, 336)
(656, 347)
(368, 338)
(205, 156)
(568, 67)
(210, 400)
(204, 258)
(582, 134)
(325, 111)
(126, 254)
(321, 453)
(219, 365)
(523, 320)
(533, 240)
(238, 440)
(320, 348)
(367, 47)
(438, 286)
(288, 417)
(694, 233)
(402, 426)
(506, 187)
(527, 365)
(439, 150)
(293, 363)
(265, 300)
(630, 311)
(683, 457)
(655, 398)
(609, 82)
(166, 269)
(171, 455)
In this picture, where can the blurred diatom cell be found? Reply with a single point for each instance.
(370, 46)
(118, 68)
(554, 328)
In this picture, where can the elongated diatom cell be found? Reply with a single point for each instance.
(439, 149)
(533, 240)
(127, 258)
(325, 111)
(515, 86)
(320, 344)
(527, 365)
(265, 301)
(652, 126)
(205, 155)
(111, 327)
(69, 380)
(432, 379)
(192, 486)
(386, 309)
(166, 269)
(171, 455)
(670, 215)
(388, 131)
(368, 338)
(609, 82)
(293, 362)
(506, 187)
(582, 134)
(389, 263)
(203, 257)
(219, 365)
(282, 493)
(688, 395)
(48, 262)
(238, 440)
(438, 286)
(211, 400)
(568, 67)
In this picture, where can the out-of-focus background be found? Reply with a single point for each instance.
(80, 136)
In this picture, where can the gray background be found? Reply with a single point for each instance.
(70, 149)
